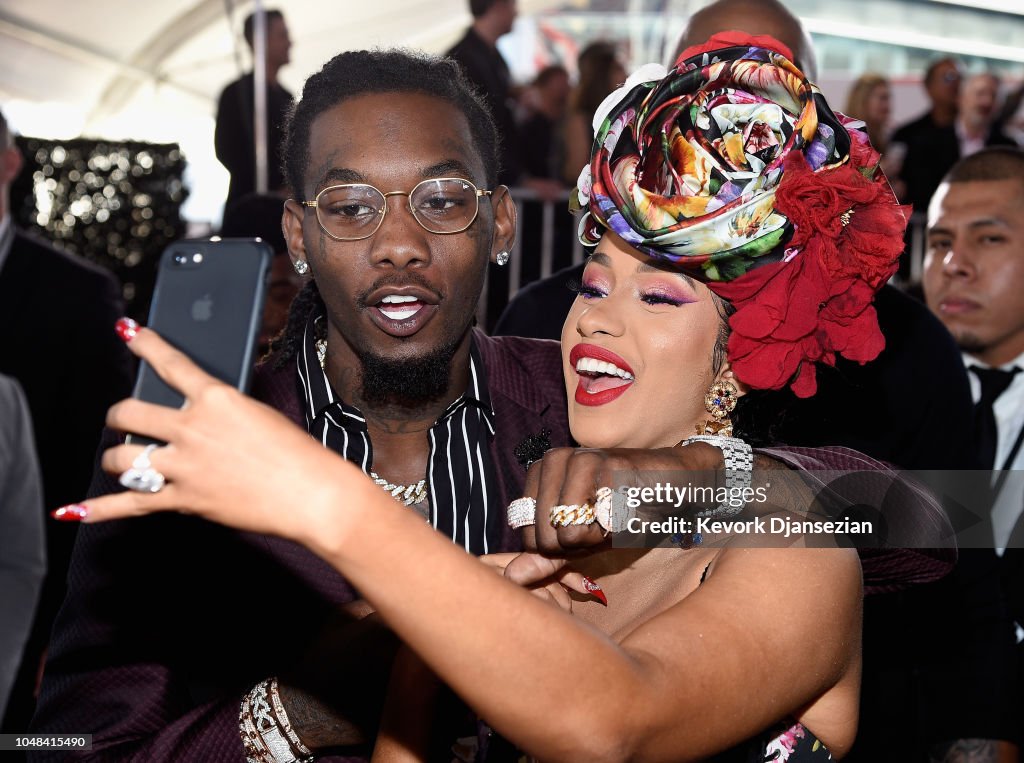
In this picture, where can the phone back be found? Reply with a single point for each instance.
(208, 303)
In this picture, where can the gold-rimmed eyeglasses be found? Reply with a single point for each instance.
(354, 211)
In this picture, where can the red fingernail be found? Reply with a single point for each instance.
(595, 590)
(126, 328)
(74, 512)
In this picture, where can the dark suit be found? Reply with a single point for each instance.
(169, 620)
(487, 70)
(57, 315)
(235, 140)
(931, 151)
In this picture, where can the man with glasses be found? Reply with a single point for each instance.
(168, 646)
(165, 645)
(929, 144)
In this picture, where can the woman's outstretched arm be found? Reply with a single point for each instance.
(769, 632)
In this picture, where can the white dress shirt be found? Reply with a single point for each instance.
(1009, 413)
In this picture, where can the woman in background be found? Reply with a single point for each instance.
(600, 72)
(870, 99)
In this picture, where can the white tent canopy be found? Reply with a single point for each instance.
(152, 70)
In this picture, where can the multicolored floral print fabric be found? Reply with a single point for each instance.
(732, 166)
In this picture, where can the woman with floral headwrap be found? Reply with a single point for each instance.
(741, 229)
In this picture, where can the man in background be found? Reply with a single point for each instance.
(929, 144)
(478, 55)
(976, 125)
(973, 281)
(234, 136)
(57, 315)
(22, 549)
(258, 215)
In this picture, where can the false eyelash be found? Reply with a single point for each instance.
(585, 291)
(662, 299)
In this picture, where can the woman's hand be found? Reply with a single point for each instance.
(546, 578)
(212, 462)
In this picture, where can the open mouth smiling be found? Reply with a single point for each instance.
(603, 375)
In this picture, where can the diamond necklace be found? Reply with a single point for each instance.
(409, 495)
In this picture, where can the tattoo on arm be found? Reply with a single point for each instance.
(317, 725)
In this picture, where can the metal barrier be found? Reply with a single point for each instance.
(912, 272)
(917, 243)
(521, 196)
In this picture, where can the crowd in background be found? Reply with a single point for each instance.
(547, 136)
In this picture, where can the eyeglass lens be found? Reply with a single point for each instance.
(442, 205)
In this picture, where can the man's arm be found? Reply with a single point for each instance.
(22, 552)
(569, 476)
(170, 621)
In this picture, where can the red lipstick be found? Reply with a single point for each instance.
(598, 388)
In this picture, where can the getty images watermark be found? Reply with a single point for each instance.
(881, 509)
(669, 509)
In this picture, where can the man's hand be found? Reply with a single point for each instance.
(573, 475)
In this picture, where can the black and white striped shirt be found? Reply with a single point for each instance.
(461, 477)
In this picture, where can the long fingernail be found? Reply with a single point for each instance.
(74, 512)
(126, 328)
(595, 590)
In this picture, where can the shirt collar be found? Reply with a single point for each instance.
(972, 361)
(320, 398)
(976, 385)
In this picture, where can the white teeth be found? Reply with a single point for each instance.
(399, 315)
(395, 299)
(595, 366)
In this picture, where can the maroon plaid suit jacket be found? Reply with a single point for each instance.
(170, 619)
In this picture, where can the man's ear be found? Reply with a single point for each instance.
(504, 222)
(10, 164)
(292, 218)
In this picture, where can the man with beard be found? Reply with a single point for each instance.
(168, 642)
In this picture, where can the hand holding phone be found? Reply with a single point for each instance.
(208, 303)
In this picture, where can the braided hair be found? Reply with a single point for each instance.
(286, 345)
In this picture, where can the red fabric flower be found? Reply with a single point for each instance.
(776, 324)
(791, 315)
(859, 215)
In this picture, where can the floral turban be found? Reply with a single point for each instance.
(732, 166)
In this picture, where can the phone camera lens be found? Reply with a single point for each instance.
(180, 259)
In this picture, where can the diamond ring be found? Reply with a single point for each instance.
(522, 512)
(142, 477)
